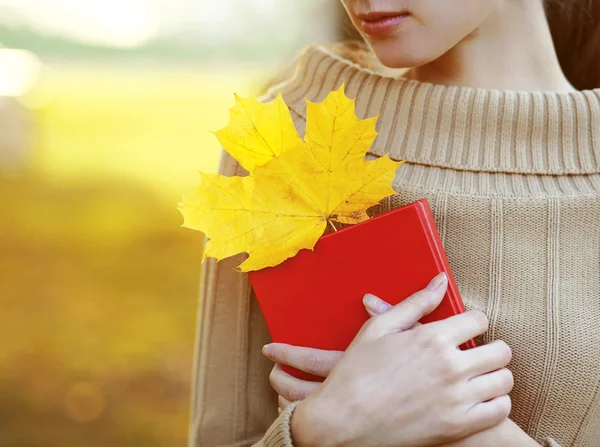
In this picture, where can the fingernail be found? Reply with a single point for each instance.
(375, 304)
(268, 350)
(437, 282)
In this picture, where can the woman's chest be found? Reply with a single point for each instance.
(533, 266)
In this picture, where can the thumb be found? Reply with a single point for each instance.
(407, 313)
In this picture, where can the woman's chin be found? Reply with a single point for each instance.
(392, 54)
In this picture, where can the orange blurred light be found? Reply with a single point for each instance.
(84, 402)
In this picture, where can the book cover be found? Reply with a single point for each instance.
(315, 298)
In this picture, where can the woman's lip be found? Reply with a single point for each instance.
(383, 24)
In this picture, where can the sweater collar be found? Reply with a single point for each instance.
(457, 127)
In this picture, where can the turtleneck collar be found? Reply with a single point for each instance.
(458, 128)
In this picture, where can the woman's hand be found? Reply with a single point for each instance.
(507, 433)
(313, 361)
(404, 385)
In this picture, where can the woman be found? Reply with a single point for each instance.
(513, 176)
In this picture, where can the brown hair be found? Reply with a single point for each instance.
(575, 27)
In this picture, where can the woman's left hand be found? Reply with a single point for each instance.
(320, 363)
(313, 361)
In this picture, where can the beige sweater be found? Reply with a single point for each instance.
(514, 182)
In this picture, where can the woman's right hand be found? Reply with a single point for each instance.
(403, 384)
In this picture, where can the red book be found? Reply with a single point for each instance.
(315, 298)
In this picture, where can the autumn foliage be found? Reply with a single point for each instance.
(296, 186)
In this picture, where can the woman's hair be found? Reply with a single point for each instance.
(575, 27)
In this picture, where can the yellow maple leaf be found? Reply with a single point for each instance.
(295, 187)
(258, 132)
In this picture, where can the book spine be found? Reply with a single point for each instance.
(437, 247)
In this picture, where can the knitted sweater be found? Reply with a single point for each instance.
(513, 179)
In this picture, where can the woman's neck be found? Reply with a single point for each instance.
(512, 50)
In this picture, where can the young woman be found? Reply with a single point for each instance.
(506, 147)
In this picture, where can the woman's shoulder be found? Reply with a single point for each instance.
(317, 63)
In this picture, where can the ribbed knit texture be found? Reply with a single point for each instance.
(514, 182)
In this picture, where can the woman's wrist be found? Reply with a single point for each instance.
(302, 434)
(298, 424)
(310, 427)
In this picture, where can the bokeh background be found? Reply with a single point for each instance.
(105, 113)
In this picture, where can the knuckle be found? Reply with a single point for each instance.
(417, 301)
(481, 320)
(428, 340)
(508, 380)
(285, 354)
(423, 335)
(314, 362)
(452, 426)
(373, 327)
(296, 393)
(437, 340)
(273, 377)
(503, 407)
(421, 301)
(374, 322)
(442, 340)
(370, 325)
(454, 397)
(504, 352)
(450, 368)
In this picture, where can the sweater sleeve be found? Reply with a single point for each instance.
(279, 434)
(232, 402)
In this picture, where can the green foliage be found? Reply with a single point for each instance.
(207, 50)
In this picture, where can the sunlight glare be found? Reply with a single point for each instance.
(117, 23)
(19, 71)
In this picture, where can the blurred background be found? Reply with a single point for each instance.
(105, 112)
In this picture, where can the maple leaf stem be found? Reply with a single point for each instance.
(332, 225)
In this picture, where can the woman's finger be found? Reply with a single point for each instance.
(370, 312)
(491, 385)
(375, 305)
(489, 414)
(384, 309)
(283, 402)
(289, 387)
(486, 358)
(408, 312)
(462, 327)
(313, 361)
